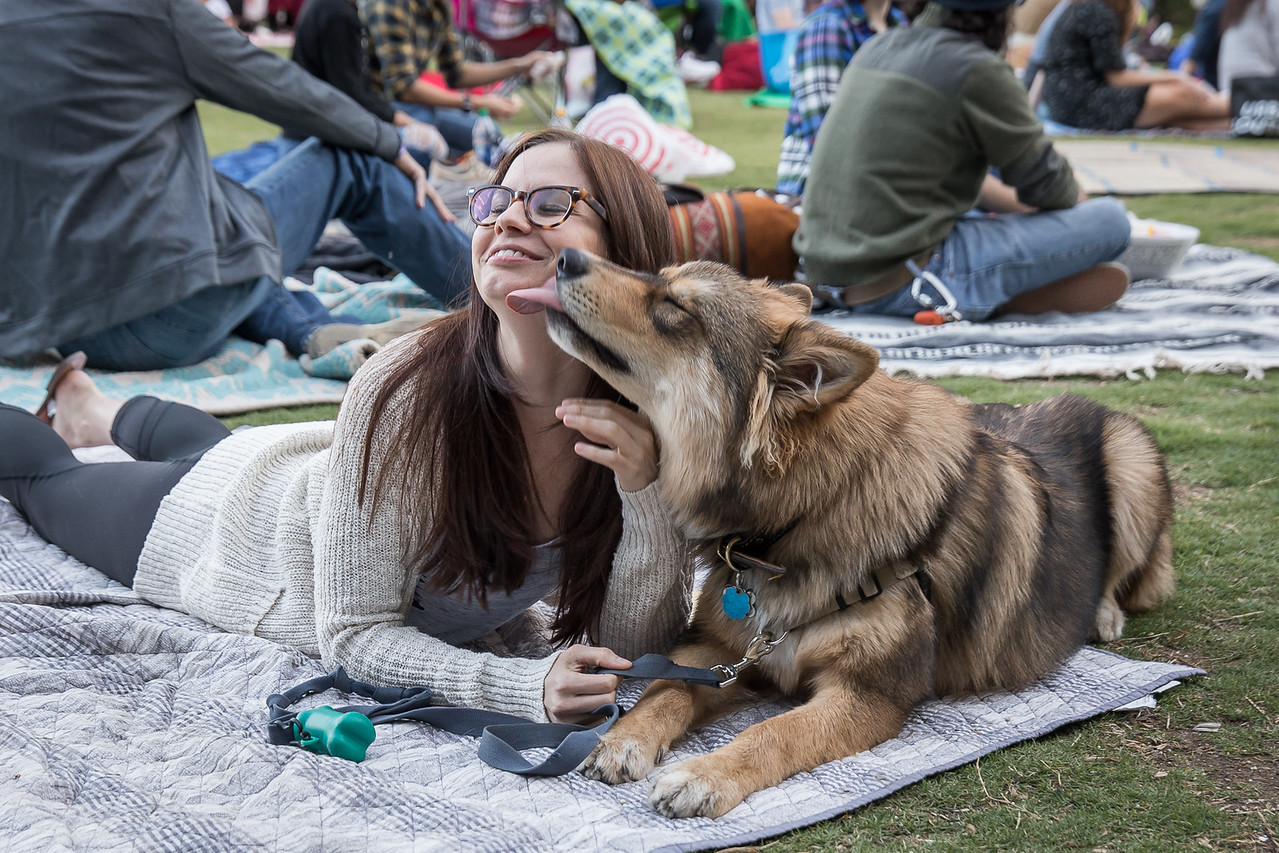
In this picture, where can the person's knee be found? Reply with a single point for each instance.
(1176, 96)
(1111, 220)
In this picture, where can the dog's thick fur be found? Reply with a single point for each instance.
(1035, 526)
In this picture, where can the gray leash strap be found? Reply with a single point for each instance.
(502, 736)
(659, 666)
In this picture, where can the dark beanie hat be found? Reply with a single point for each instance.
(975, 5)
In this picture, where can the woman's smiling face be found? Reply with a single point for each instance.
(515, 255)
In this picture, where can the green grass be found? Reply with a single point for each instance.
(1134, 781)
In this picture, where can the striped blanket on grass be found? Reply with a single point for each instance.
(1218, 313)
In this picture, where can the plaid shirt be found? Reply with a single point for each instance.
(404, 36)
(639, 49)
(826, 45)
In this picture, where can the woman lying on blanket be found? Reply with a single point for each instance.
(474, 469)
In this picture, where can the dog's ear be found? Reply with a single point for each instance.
(814, 366)
(800, 293)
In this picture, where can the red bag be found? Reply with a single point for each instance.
(739, 69)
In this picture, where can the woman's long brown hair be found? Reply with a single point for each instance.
(460, 461)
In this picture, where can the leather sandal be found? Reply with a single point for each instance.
(75, 361)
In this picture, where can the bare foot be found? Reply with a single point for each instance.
(83, 414)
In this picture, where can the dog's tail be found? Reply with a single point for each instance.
(1140, 573)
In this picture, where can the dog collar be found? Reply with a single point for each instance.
(738, 599)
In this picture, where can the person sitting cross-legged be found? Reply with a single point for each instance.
(900, 210)
(117, 236)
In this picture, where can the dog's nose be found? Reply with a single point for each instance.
(572, 263)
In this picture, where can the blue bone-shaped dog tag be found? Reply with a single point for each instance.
(737, 602)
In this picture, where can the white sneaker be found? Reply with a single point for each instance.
(699, 72)
(467, 169)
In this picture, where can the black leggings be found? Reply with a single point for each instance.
(101, 513)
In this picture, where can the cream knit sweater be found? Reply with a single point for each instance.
(264, 536)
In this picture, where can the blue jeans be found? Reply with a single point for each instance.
(302, 191)
(988, 259)
(316, 182)
(185, 333)
(457, 127)
(289, 316)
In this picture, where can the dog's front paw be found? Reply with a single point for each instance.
(1109, 624)
(687, 791)
(621, 759)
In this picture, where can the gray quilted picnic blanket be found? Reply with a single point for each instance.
(1215, 313)
(125, 726)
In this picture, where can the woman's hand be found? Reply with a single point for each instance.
(615, 437)
(572, 692)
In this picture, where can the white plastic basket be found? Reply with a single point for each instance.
(1157, 247)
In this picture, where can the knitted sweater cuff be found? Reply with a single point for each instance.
(516, 685)
(646, 509)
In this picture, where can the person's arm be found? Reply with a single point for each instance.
(822, 52)
(363, 589)
(997, 197)
(472, 74)
(223, 67)
(1144, 77)
(1013, 140)
(462, 74)
(650, 587)
(431, 95)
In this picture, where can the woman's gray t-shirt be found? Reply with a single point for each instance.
(455, 620)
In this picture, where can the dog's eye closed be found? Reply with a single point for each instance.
(669, 314)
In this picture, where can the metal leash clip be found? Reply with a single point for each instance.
(946, 311)
(760, 646)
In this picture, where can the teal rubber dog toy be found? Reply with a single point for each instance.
(326, 731)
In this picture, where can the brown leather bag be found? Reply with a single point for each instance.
(750, 231)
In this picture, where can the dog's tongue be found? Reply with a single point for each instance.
(534, 299)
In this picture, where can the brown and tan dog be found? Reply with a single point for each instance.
(880, 540)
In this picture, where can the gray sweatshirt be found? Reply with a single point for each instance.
(109, 209)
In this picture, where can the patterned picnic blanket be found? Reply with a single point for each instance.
(125, 726)
(1216, 313)
(243, 376)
